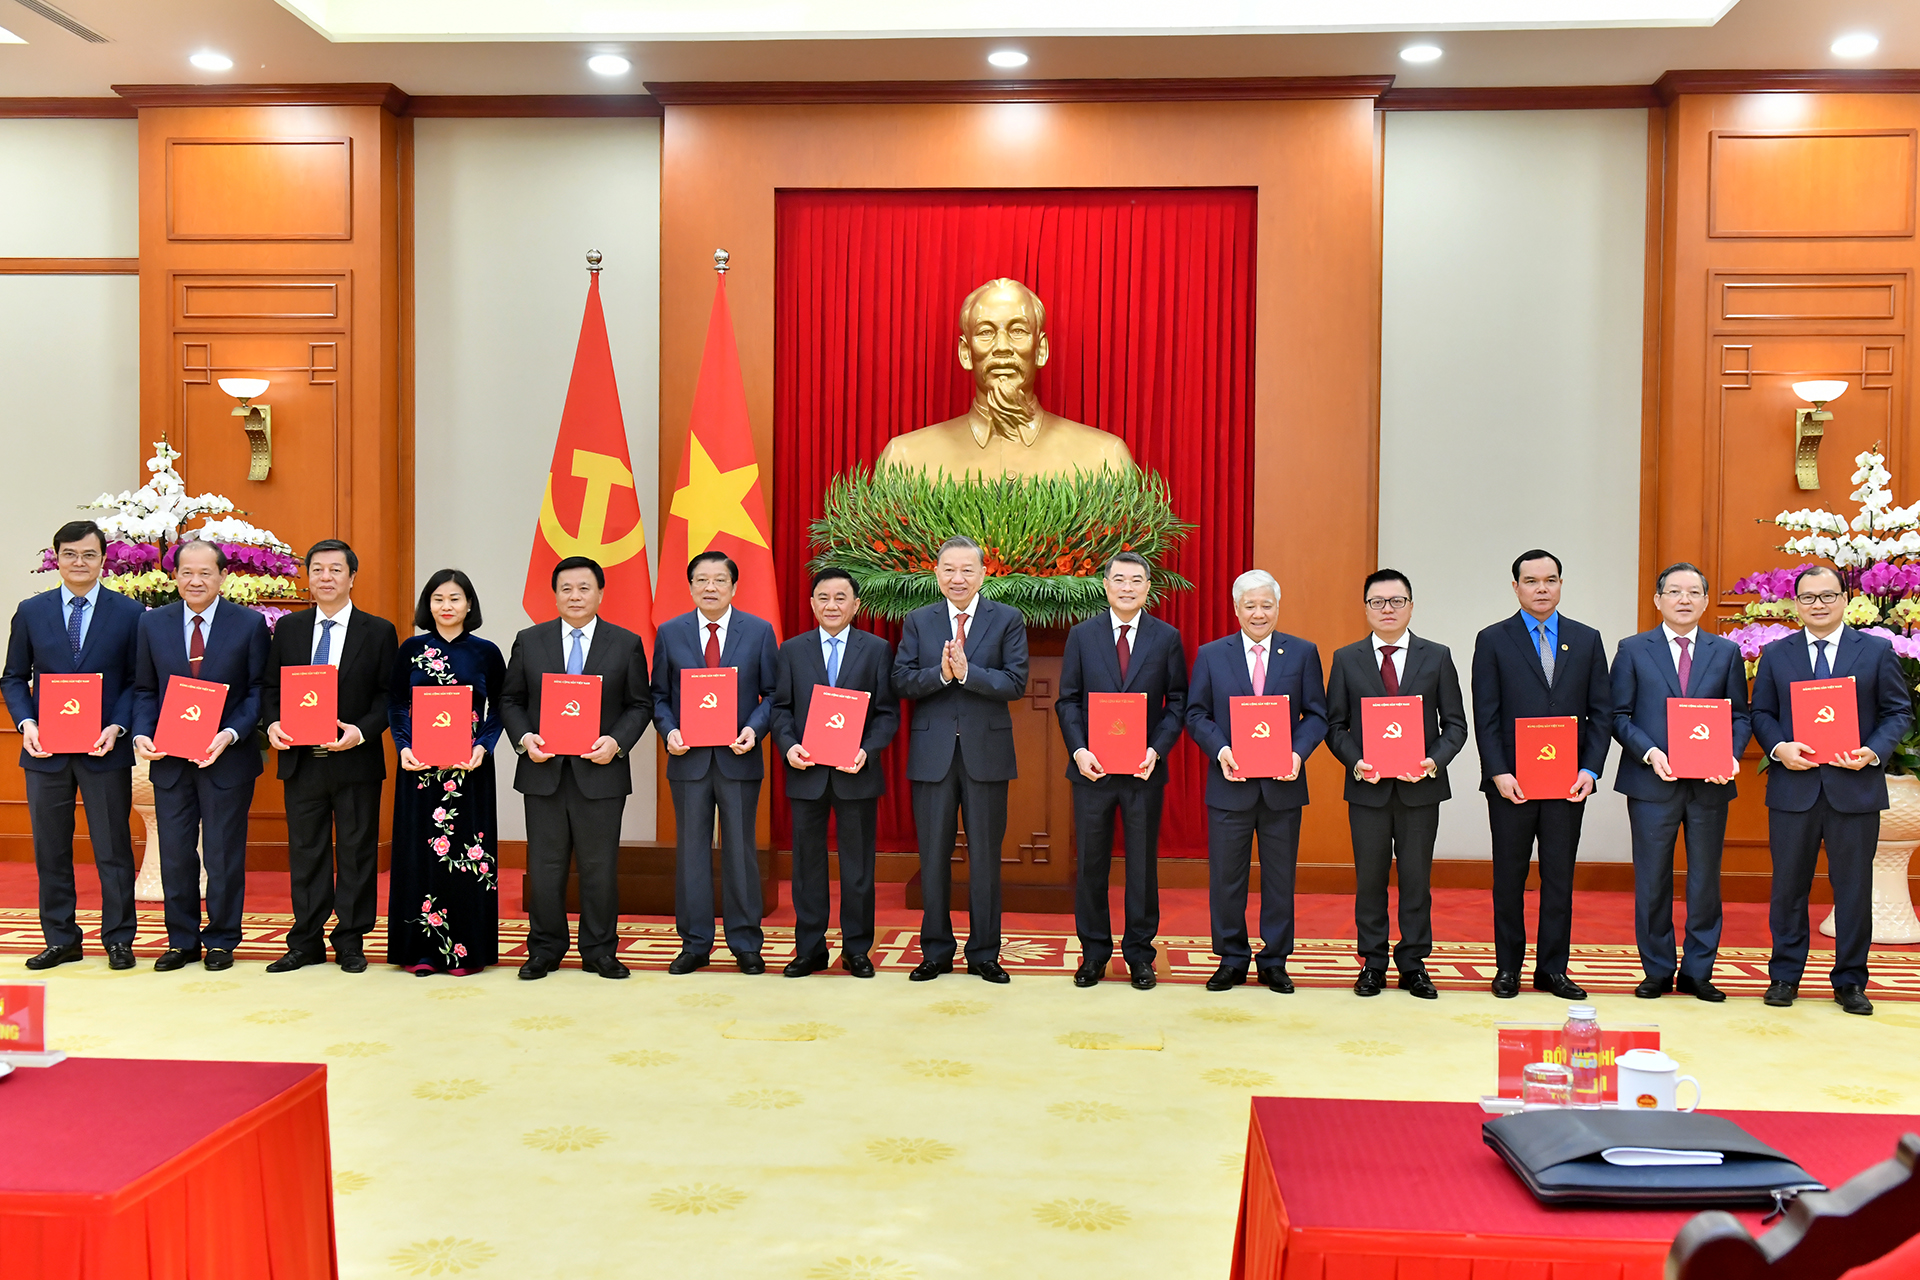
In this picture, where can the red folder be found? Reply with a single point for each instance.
(1262, 735)
(1546, 756)
(709, 706)
(310, 704)
(189, 717)
(69, 712)
(1700, 737)
(1826, 716)
(1117, 731)
(835, 720)
(443, 725)
(569, 713)
(1393, 733)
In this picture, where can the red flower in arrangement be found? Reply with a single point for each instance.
(880, 544)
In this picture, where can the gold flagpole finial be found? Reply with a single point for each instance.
(593, 261)
(720, 261)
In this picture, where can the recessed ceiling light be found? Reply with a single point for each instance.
(207, 60)
(1007, 58)
(609, 64)
(1857, 45)
(1420, 53)
(7, 37)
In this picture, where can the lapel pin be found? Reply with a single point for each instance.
(1563, 648)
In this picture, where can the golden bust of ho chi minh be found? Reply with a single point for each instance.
(1003, 341)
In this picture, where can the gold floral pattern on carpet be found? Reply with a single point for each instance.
(1761, 1027)
(444, 1257)
(1082, 1215)
(1223, 1014)
(565, 1137)
(1087, 1039)
(939, 1068)
(346, 1182)
(1236, 1077)
(81, 1044)
(696, 1198)
(812, 1031)
(909, 1150)
(209, 986)
(959, 1008)
(543, 1022)
(450, 1090)
(705, 999)
(1865, 1096)
(1486, 1020)
(358, 1049)
(273, 1017)
(862, 1269)
(1023, 949)
(765, 1099)
(1371, 1048)
(454, 993)
(1087, 1112)
(643, 1058)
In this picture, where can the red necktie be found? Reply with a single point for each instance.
(713, 644)
(1122, 650)
(197, 646)
(1686, 661)
(1388, 676)
(960, 629)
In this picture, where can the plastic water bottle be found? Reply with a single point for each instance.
(1580, 1041)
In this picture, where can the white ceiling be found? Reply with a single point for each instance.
(150, 41)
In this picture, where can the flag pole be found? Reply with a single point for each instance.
(720, 257)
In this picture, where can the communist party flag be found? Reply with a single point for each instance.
(590, 491)
(718, 504)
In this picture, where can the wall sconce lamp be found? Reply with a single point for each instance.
(257, 421)
(1808, 427)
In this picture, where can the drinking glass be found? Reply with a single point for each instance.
(1545, 1085)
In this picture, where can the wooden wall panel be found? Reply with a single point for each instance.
(259, 189)
(1814, 184)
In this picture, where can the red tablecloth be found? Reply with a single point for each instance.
(125, 1169)
(1364, 1190)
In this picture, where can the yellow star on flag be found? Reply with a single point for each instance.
(714, 501)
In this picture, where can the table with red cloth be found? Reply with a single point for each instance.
(1339, 1189)
(133, 1169)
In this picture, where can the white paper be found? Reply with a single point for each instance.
(1646, 1156)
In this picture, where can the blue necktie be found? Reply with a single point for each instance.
(324, 650)
(576, 657)
(73, 623)
(1821, 671)
(833, 660)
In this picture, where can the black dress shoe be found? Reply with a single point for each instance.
(1853, 998)
(1142, 976)
(1227, 975)
(990, 970)
(801, 966)
(53, 956)
(119, 956)
(1417, 982)
(291, 961)
(1781, 994)
(605, 966)
(688, 961)
(1088, 973)
(534, 969)
(1701, 990)
(1652, 988)
(1275, 979)
(356, 963)
(175, 958)
(1506, 984)
(1371, 981)
(749, 962)
(928, 970)
(1560, 985)
(218, 958)
(859, 966)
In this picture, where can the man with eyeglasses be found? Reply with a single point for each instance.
(1676, 660)
(1836, 802)
(1394, 816)
(78, 627)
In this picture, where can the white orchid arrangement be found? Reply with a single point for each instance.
(1880, 532)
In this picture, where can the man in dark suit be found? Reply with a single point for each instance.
(1125, 650)
(1835, 802)
(1676, 660)
(79, 626)
(835, 653)
(961, 661)
(202, 803)
(574, 803)
(333, 791)
(1397, 816)
(1537, 664)
(1254, 658)
(710, 781)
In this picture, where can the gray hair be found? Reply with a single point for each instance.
(1252, 579)
(960, 540)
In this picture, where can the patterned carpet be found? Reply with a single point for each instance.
(1454, 966)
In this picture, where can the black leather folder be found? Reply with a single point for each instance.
(1557, 1154)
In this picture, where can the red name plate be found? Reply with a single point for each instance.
(310, 705)
(69, 712)
(1117, 731)
(1393, 734)
(835, 720)
(1546, 756)
(1262, 732)
(569, 713)
(1700, 737)
(443, 725)
(189, 717)
(23, 1017)
(709, 706)
(1524, 1042)
(1826, 716)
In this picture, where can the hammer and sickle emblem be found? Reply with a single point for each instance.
(1393, 731)
(571, 709)
(310, 699)
(1825, 716)
(443, 721)
(1261, 731)
(1119, 729)
(836, 721)
(191, 714)
(709, 702)
(602, 473)
(1548, 753)
(1700, 733)
(72, 707)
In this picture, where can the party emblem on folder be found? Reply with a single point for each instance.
(1700, 738)
(569, 713)
(310, 716)
(1546, 756)
(1389, 747)
(1122, 746)
(1826, 716)
(835, 720)
(1262, 742)
(74, 725)
(442, 724)
(709, 703)
(189, 717)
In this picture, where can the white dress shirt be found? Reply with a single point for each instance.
(1398, 657)
(187, 615)
(586, 637)
(336, 638)
(827, 646)
(1133, 625)
(702, 622)
(1249, 644)
(86, 615)
(1813, 649)
(953, 623)
(1673, 650)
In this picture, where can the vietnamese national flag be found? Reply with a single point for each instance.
(591, 507)
(718, 504)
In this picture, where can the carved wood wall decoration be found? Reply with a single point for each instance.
(1817, 183)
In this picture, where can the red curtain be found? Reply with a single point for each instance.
(1150, 305)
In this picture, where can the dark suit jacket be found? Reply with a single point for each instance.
(38, 646)
(866, 662)
(236, 656)
(619, 658)
(972, 713)
(1220, 673)
(1885, 708)
(1156, 666)
(1644, 677)
(1430, 674)
(1509, 685)
(750, 649)
(365, 665)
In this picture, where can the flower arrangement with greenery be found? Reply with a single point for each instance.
(145, 528)
(1046, 539)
